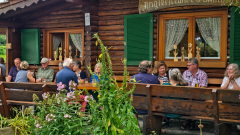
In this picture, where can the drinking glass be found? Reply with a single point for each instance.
(86, 80)
(196, 84)
(94, 82)
(44, 79)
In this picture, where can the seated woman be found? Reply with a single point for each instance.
(80, 73)
(23, 74)
(97, 71)
(161, 71)
(232, 77)
(176, 79)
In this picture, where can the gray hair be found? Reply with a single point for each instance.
(60, 64)
(144, 65)
(235, 69)
(77, 63)
(67, 62)
(176, 75)
(98, 64)
(193, 61)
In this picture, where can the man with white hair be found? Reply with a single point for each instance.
(45, 72)
(66, 74)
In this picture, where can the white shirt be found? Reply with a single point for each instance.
(230, 86)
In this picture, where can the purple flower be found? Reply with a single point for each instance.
(67, 116)
(59, 84)
(60, 87)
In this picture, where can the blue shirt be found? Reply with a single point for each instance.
(13, 73)
(65, 76)
(94, 77)
(146, 78)
(22, 76)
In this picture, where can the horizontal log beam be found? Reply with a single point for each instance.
(63, 25)
(113, 2)
(104, 18)
(111, 22)
(111, 33)
(118, 12)
(4, 23)
(113, 27)
(54, 21)
(117, 7)
(50, 10)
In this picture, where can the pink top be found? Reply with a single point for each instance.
(200, 78)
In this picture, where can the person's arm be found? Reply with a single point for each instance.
(204, 81)
(225, 83)
(83, 76)
(235, 85)
(9, 78)
(50, 76)
(30, 77)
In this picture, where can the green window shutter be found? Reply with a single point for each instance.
(30, 45)
(235, 36)
(138, 38)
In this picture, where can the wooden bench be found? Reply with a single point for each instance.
(13, 95)
(189, 102)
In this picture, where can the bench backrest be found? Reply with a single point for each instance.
(230, 106)
(212, 104)
(181, 100)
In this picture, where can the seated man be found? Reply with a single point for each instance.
(194, 75)
(45, 71)
(3, 68)
(14, 70)
(144, 76)
(66, 74)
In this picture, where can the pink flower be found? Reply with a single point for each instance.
(44, 95)
(87, 97)
(70, 83)
(59, 84)
(67, 116)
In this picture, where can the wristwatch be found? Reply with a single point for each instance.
(232, 81)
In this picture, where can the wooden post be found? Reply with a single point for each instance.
(89, 31)
(155, 122)
(219, 128)
(5, 106)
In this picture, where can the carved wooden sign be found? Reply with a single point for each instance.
(8, 46)
(146, 6)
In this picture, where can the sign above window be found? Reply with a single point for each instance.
(146, 6)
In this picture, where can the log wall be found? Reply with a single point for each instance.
(107, 18)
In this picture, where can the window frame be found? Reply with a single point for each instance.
(47, 50)
(206, 63)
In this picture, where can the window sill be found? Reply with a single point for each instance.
(202, 64)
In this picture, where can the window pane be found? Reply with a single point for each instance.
(75, 45)
(57, 41)
(176, 32)
(207, 37)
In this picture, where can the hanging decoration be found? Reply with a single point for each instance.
(60, 53)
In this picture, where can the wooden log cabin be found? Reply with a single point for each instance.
(133, 29)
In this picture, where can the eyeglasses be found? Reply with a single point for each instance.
(190, 65)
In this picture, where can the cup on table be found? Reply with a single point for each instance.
(86, 80)
(94, 82)
(44, 79)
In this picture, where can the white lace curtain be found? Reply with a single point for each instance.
(210, 29)
(77, 41)
(175, 30)
(57, 39)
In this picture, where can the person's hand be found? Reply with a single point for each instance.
(39, 80)
(161, 81)
(231, 77)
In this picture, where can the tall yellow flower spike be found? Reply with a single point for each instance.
(100, 56)
(96, 43)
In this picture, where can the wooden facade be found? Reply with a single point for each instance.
(107, 18)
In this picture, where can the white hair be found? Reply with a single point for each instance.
(67, 62)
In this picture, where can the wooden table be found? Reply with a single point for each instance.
(87, 86)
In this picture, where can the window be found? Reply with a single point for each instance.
(63, 42)
(206, 31)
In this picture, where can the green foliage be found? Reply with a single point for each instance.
(59, 114)
(113, 113)
(4, 122)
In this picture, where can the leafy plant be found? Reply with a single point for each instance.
(113, 113)
(61, 114)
